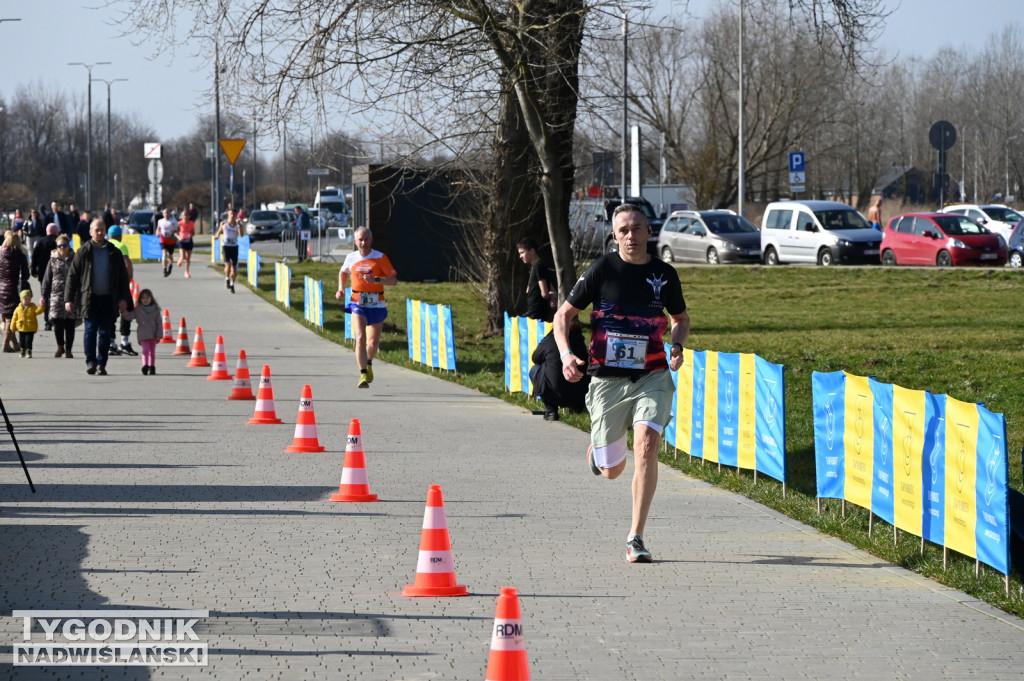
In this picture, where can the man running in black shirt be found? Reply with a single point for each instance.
(631, 385)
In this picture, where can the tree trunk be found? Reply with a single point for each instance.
(512, 213)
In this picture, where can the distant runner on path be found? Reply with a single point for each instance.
(370, 272)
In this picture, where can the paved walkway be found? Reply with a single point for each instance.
(154, 493)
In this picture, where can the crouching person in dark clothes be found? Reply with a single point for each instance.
(548, 382)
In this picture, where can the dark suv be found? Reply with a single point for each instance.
(141, 222)
(590, 224)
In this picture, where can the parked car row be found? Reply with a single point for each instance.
(828, 233)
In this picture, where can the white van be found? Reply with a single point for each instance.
(822, 232)
(333, 199)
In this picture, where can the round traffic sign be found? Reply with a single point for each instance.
(942, 135)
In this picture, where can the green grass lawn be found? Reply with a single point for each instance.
(957, 332)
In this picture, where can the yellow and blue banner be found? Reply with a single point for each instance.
(522, 336)
(215, 249)
(283, 284)
(927, 464)
(430, 335)
(252, 269)
(313, 309)
(730, 409)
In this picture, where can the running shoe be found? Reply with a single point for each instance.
(232, 287)
(114, 350)
(590, 460)
(127, 349)
(369, 374)
(227, 283)
(636, 552)
(101, 370)
(364, 380)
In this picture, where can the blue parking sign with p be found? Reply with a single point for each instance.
(796, 162)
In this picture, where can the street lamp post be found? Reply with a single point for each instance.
(254, 194)
(88, 156)
(1006, 151)
(110, 195)
(625, 101)
(741, 164)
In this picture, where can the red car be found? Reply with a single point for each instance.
(942, 239)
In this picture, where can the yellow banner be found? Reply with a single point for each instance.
(859, 441)
(417, 356)
(746, 442)
(442, 342)
(908, 424)
(134, 244)
(711, 407)
(684, 403)
(961, 470)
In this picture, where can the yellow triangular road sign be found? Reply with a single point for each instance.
(232, 148)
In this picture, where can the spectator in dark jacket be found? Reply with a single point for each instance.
(41, 252)
(83, 225)
(96, 290)
(41, 257)
(59, 218)
(14, 278)
(548, 382)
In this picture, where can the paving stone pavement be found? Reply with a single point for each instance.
(154, 493)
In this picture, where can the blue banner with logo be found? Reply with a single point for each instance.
(828, 396)
(770, 419)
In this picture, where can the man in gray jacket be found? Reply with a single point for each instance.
(98, 282)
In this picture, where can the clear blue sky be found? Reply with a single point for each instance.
(166, 92)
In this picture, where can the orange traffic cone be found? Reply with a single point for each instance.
(305, 439)
(198, 350)
(355, 486)
(181, 347)
(435, 569)
(265, 412)
(219, 370)
(242, 389)
(508, 645)
(135, 290)
(167, 338)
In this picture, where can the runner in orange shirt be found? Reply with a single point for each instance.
(370, 272)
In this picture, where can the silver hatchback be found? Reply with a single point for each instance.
(711, 236)
(264, 224)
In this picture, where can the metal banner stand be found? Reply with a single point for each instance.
(10, 430)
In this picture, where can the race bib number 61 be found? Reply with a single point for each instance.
(626, 351)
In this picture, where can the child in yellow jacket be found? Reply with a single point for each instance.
(25, 323)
